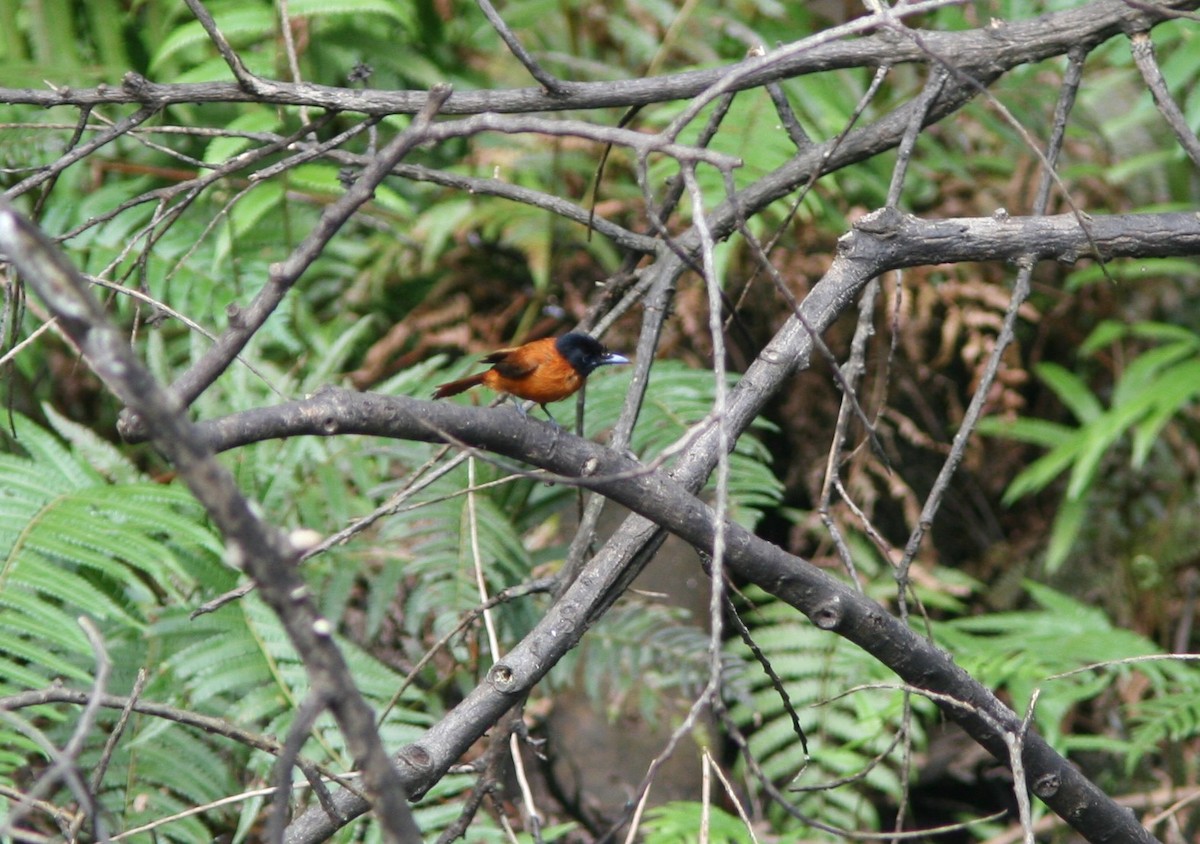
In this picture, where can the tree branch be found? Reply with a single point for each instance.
(873, 247)
(992, 49)
(264, 552)
(655, 497)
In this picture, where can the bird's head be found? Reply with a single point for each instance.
(586, 353)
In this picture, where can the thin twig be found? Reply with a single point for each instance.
(247, 80)
(577, 551)
(488, 766)
(544, 78)
(289, 50)
(1015, 740)
(720, 405)
(311, 708)
(540, 585)
(64, 762)
(1021, 287)
(1143, 56)
(489, 623)
(246, 322)
(772, 675)
(117, 130)
(110, 743)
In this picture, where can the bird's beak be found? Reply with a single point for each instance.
(611, 358)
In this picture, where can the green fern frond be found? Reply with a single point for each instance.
(167, 772)
(1024, 650)
(845, 732)
(1167, 720)
(681, 397)
(99, 541)
(98, 453)
(59, 468)
(679, 822)
(638, 649)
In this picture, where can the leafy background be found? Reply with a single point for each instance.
(1069, 538)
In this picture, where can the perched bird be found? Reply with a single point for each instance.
(542, 371)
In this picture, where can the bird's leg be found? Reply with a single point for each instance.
(519, 406)
(549, 416)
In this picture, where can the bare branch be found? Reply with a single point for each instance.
(660, 500)
(546, 80)
(994, 48)
(262, 550)
(244, 323)
(247, 80)
(80, 152)
(1143, 56)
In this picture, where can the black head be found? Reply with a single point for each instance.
(586, 353)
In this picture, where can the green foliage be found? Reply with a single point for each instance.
(1027, 650)
(641, 655)
(80, 545)
(118, 552)
(1166, 723)
(679, 397)
(87, 535)
(1155, 388)
(851, 731)
(679, 822)
(250, 25)
(79, 40)
(1149, 170)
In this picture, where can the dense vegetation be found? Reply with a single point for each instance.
(915, 316)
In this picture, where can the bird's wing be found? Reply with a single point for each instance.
(514, 368)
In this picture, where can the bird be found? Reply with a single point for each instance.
(540, 371)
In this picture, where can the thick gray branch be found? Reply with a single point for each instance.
(981, 51)
(893, 239)
(876, 245)
(658, 499)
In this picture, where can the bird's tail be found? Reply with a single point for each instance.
(453, 388)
